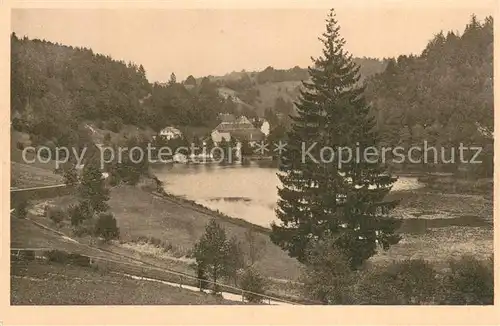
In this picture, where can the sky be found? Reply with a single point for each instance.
(203, 42)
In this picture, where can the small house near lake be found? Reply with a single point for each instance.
(240, 129)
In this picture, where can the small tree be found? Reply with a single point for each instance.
(201, 275)
(107, 138)
(255, 247)
(106, 227)
(93, 188)
(253, 282)
(70, 176)
(235, 259)
(172, 80)
(133, 165)
(56, 215)
(212, 250)
(80, 213)
(190, 81)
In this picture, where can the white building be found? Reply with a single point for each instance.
(171, 133)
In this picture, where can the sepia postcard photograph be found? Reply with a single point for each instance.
(336, 155)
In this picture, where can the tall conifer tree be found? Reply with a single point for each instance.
(319, 198)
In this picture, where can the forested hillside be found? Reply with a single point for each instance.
(55, 87)
(56, 90)
(443, 96)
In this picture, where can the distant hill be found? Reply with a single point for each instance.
(259, 90)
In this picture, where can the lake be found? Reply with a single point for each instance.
(248, 192)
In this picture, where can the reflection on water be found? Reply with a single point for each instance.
(248, 192)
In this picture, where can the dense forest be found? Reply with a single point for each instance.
(56, 88)
(443, 96)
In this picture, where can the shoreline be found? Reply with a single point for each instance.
(193, 205)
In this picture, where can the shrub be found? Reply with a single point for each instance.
(401, 283)
(252, 281)
(70, 176)
(114, 179)
(27, 255)
(55, 214)
(20, 206)
(201, 274)
(82, 230)
(57, 256)
(79, 213)
(469, 281)
(19, 124)
(114, 124)
(107, 137)
(155, 241)
(327, 274)
(106, 227)
(79, 260)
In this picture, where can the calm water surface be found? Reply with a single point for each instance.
(247, 192)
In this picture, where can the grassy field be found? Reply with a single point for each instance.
(27, 176)
(39, 283)
(142, 214)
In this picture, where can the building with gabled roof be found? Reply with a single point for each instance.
(241, 129)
